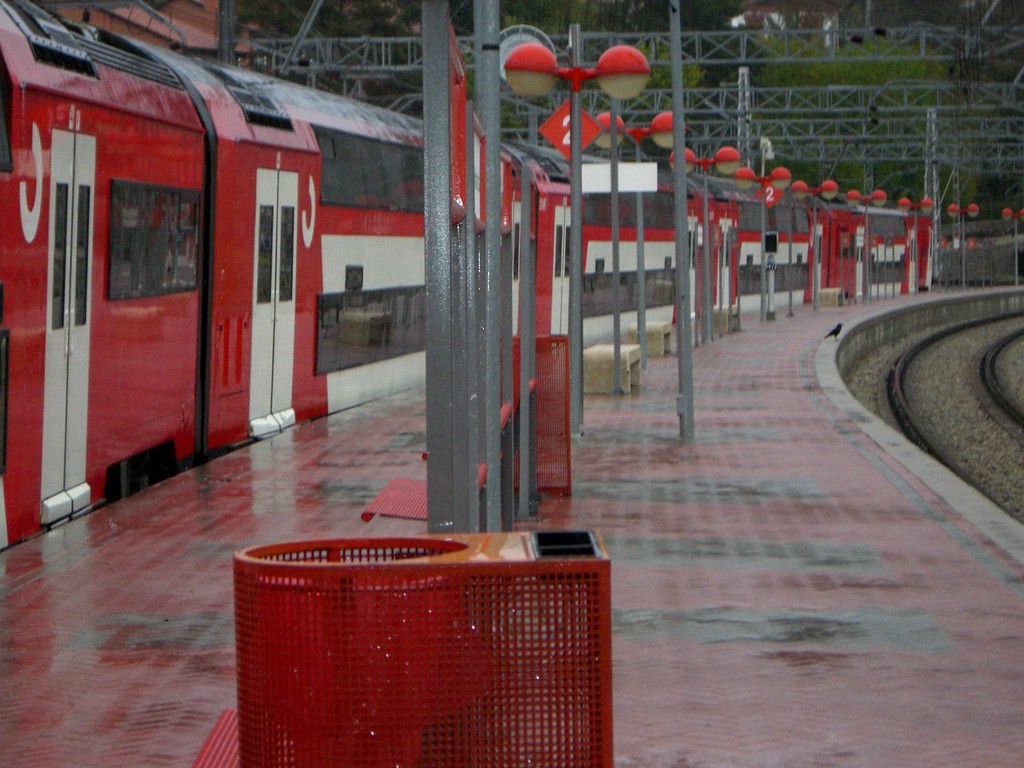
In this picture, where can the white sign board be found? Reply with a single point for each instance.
(633, 177)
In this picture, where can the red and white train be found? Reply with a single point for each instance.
(194, 256)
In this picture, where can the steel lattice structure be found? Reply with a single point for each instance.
(973, 125)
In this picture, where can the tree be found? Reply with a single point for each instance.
(336, 18)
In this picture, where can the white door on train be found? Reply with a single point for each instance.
(273, 311)
(66, 379)
(561, 270)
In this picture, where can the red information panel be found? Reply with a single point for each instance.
(556, 129)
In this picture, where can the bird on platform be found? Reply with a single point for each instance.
(835, 331)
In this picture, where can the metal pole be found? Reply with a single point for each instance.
(1016, 269)
(641, 276)
(705, 272)
(466, 425)
(963, 252)
(789, 257)
(574, 259)
(764, 254)
(723, 307)
(684, 400)
(816, 256)
(867, 253)
(437, 247)
(488, 84)
(616, 280)
(527, 341)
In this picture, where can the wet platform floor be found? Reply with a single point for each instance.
(785, 593)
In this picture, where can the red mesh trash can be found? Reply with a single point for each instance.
(477, 651)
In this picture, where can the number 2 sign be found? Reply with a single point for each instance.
(556, 129)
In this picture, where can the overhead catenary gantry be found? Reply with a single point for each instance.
(977, 126)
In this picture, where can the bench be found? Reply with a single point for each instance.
(726, 322)
(599, 368)
(659, 338)
(830, 297)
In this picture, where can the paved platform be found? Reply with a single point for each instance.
(785, 592)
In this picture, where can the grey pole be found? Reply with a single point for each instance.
(764, 253)
(467, 420)
(1016, 270)
(437, 248)
(867, 252)
(816, 244)
(527, 342)
(488, 84)
(641, 276)
(789, 257)
(616, 280)
(574, 259)
(708, 332)
(684, 334)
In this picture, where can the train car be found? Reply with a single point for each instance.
(658, 236)
(205, 256)
(553, 231)
(787, 245)
(898, 250)
(101, 164)
(919, 250)
(317, 286)
(886, 232)
(552, 228)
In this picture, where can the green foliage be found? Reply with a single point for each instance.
(850, 67)
(337, 18)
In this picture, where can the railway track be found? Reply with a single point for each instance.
(958, 394)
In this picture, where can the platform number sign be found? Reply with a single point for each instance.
(556, 129)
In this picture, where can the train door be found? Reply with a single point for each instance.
(910, 254)
(563, 258)
(66, 378)
(273, 312)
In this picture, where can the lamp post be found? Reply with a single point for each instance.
(957, 213)
(926, 206)
(660, 126)
(1008, 213)
(622, 72)
(828, 190)
(776, 181)
(726, 162)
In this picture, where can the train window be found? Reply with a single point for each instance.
(82, 256)
(265, 257)
(359, 327)
(353, 277)
(154, 240)
(59, 257)
(5, 339)
(558, 250)
(287, 254)
(516, 231)
(365, 172)
(750, 215)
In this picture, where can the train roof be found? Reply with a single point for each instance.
(43, 51)
(243, 102)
